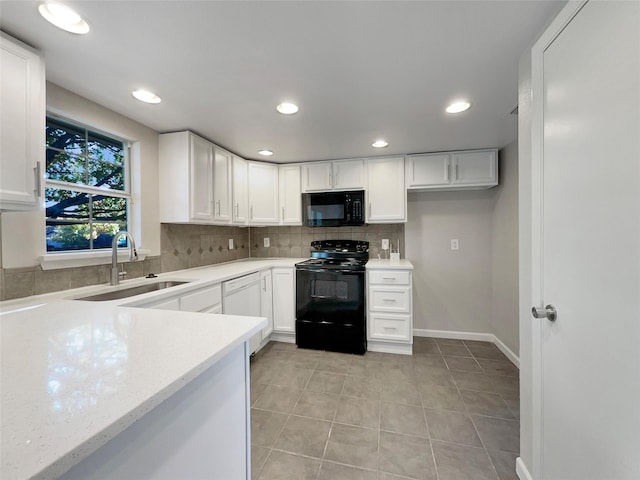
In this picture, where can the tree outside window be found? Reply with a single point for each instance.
(86, 195)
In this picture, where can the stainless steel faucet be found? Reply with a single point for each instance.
(133, 255)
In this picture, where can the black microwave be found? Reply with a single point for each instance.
(333, 209)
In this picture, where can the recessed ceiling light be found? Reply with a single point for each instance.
(287, 108)
(63, 17)
(146, 96)
(458, 107)
(380, 143)
(266, 153)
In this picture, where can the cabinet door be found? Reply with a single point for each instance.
(266, 301)
(475, 168)
(201, 154)
(387, 198)
(425, 171)
(284, 316)
(22, 116)
(173, 304)
(222, 186)
(240, 204)
(290, 195)
(348, 175)
(263, 194)
(317, 177)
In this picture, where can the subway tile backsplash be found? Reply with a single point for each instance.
(187, 246)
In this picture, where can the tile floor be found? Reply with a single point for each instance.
(449, 412)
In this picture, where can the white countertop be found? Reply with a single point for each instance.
(385, 264)
(75, 374)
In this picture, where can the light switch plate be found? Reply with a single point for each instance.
(267, 242)
(231, 244)
(455, 244)
(385, 244)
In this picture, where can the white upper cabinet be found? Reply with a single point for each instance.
(201, 179)
(239, 193)
(22, 116)
(386, 195)
(186, 178)
(263, 193)
(290, 198)
(336, 175)
(473, 169)
(222, 185)
(428, 170)
(317, 177)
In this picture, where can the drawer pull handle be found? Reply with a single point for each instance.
(388, 299)
(388, 278)
(390, 328)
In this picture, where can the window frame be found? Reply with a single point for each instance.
(126, 194)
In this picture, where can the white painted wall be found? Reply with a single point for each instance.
(23, 233)
(524, 245)
(452, 289)
(504, 318)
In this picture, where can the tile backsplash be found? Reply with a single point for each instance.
(187, 246)
(295, 241)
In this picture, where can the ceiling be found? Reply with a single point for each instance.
(358, 70)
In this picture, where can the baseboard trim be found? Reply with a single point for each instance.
(283, 337)
(483, 337)
(521, 470)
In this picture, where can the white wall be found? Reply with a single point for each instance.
(524, 244)
(23, 233)
(452, 289)
(504, 318)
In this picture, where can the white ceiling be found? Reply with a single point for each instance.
(359, 70)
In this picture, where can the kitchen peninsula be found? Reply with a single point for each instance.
(105, 390)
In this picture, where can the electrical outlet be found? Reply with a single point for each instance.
(385, 244)
(231, 244)
(267, 242)
(455, 244)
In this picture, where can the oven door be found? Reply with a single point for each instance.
(333, 296)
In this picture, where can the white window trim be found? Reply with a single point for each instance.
(85, 258)
(102, 256)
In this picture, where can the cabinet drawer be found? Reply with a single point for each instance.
(391, 327)
(202, 299)
(386, 277)
(390, 299)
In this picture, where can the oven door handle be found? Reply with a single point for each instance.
(328, 270)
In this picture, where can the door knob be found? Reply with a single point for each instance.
(548, 312)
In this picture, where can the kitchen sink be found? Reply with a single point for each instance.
(131, 291)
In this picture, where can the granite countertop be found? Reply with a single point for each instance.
(75, 374)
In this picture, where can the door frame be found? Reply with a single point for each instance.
(534, 222)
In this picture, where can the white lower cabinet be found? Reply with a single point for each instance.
(208, 300)
(284, 300)
(389, 308)
(266, 302)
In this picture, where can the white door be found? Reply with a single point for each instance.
(263, 193)
(348, 175)
(290, 198)
(588, 261)
(386, 195)
(201, 179)
(317, 177)
(240, 203)
(222, 186)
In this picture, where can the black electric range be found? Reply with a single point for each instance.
(330, 297)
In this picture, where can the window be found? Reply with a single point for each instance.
(87, 192)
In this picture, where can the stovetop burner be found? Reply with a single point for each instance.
(343, 254)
